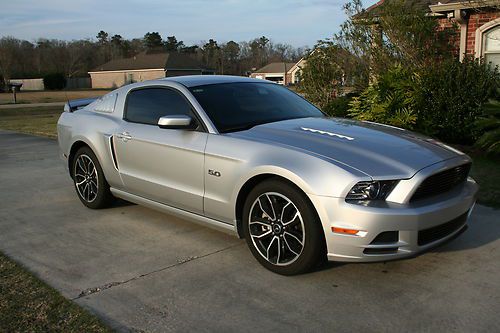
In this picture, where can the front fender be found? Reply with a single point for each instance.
(271, 170)
(239, 160)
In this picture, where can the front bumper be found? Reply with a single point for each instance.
(407, 219)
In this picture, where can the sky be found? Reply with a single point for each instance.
(297, 22)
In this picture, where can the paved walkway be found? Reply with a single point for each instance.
(140, 270)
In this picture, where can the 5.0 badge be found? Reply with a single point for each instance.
(213, 173)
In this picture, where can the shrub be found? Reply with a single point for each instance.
(451, 97)
(321, 77)
(328, 70)
(54, 81)
(443, 100)
(391, 100)
(489, 125)
(339, 107)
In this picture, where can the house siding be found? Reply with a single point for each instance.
(117, 79)
(266, 76)
(172, 73)
(30, 84)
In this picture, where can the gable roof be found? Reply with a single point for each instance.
(182, 61)
(276, 67)
(421, 4)
(433, 4)
(151, 61)
(450, 5)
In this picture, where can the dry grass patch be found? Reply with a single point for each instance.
(25, 97)
(486, 172)
(37, 121)
(29, 305)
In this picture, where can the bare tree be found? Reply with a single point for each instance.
(8, 50)
(19, 58)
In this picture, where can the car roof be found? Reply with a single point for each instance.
(200, 80)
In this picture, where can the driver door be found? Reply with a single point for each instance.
(164, 165)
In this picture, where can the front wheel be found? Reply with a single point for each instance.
(282, 229)
(90, 185)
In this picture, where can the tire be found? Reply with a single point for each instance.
(90, 184)
(290, 242)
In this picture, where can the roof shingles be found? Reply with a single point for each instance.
(276, 67)
(423, 4)
(145, 61)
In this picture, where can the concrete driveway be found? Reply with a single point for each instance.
(140, 270)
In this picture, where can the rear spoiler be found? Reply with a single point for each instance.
(77, 104)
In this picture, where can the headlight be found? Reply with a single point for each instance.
(374, 190)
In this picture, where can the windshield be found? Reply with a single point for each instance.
(239, 106)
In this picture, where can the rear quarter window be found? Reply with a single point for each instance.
(106, 103)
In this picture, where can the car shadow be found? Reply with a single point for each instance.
(117, 203)
(327, 265)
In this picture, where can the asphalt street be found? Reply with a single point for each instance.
(141, 270)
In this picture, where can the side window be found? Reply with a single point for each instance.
(146, 106)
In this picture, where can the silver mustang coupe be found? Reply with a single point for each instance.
(253, 158)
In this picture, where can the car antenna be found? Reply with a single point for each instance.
(67, 98)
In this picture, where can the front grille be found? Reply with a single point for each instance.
(433, 234)
(442, 182)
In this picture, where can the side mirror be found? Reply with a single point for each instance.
(176, 122)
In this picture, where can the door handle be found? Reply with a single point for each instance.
(125, 136)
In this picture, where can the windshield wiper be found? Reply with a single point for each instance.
(242, 127)
(249, 126)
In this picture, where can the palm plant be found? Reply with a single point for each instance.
(391, 100)
(489, 125)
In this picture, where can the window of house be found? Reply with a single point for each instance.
(492, 46)
(146, 106)
(297, 76)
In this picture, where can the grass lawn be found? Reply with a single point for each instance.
(26, 97)
(29, 305)
(37, 121)
(486, 171)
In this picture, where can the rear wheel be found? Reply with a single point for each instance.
(90, 185)
(282, 229)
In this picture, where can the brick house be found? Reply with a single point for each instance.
(277, 72)
(143, 67)
(285, 73)
(478, 23)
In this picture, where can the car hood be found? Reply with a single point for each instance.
(380, 151)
